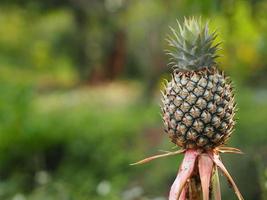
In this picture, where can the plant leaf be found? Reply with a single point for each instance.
(216, 190)
(205, 166)
(216, 158)
(184, 173)
(158, 156)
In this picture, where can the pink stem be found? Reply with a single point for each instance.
(205, 166)
(184, 173)
(184, 192)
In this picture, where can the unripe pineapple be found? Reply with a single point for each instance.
(198, 103)
(198, 113)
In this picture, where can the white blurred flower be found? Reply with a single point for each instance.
(42, 177)
(19, 197)
(103, 188)
(113, 5)
(132, 193)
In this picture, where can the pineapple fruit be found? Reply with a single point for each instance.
(198, 103)
(198, 112)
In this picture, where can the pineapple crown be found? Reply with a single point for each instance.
(192, 45)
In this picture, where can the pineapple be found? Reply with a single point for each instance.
(198, 112)
(198, 103)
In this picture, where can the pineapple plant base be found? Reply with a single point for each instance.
(198, 110)
(204, 163)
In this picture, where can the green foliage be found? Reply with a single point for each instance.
(62, 140)
(53, 143)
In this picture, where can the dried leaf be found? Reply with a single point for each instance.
(229, 150)
(218, 162)
(216, 190)
(158, 156)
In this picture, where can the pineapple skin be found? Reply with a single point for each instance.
(198, 108)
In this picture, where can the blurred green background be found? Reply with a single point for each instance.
(80, 91)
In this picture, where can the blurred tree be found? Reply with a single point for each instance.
(97, 44)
